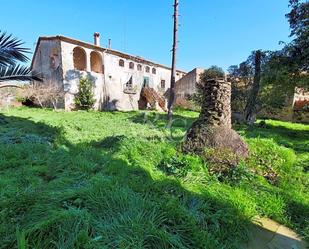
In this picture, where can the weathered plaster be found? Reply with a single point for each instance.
(54, 59)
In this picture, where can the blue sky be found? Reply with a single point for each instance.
(212, 32)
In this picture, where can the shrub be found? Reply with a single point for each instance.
(44, 95)
(226, 166)
(84, 99)
(214, 72)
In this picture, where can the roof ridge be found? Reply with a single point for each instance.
(138, 59)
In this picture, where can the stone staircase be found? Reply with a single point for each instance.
(153, 98)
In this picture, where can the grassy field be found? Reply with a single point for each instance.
(117, 180)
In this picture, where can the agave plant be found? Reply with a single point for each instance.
(12, 52)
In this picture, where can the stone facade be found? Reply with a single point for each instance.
(118, 77)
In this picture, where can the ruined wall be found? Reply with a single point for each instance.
(186, 86)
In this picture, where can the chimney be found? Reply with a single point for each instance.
(96, 36)
(109, 43)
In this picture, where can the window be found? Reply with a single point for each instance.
(129, 84)
(79, 59)
(121, 63)
(139, 67)
(163, 84)
(147, 69)
(154, 71)
(96, 62)
(146, 82)
(131, 65)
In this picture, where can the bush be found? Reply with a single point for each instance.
(214, 72)
(226, 166)
(84, 99)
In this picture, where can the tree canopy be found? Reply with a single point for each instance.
(12, 52)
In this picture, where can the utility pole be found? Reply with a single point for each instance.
(173, 73)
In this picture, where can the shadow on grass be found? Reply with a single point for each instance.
(160, 120)
(53, 196)
(78, 196)
(11, 126)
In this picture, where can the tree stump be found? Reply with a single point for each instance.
(213, 128)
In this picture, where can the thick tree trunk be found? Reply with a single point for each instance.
(213, 127)
(250, 110)
(173, 73)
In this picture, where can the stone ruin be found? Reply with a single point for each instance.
(213, 128)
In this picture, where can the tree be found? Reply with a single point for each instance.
(214, 72)
(250, 110)
(299, 24)
(240, 78)
(12, 52)
(84, 99)
(173, 73)
(280, 72)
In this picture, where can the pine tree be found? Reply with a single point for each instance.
(84, 99)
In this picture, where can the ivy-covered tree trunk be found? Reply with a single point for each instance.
(250, 110)
(213, 127)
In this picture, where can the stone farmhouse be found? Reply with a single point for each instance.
(121, 81)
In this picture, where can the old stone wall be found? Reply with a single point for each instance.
(186, 86)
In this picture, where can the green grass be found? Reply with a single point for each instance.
(117, 180)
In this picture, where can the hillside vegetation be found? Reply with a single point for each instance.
(117, 180)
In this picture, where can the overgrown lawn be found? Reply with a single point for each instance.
(118, 180)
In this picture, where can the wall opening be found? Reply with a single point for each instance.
(79, 59)
(146, 82)
(131, 65)
(96, 62)
(129, 84)
(154, 71)
(139, 67)
(147, 69)
(121, 63)
(163, 84)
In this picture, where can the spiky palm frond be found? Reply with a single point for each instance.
(17, 73)
(11, 50)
